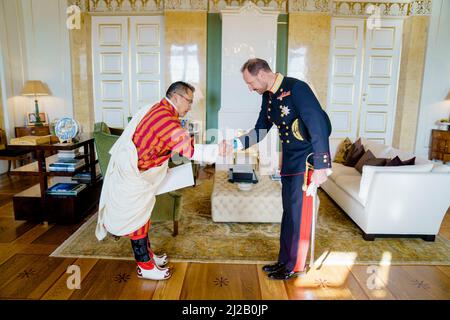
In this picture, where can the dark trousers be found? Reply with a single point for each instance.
(292, 196)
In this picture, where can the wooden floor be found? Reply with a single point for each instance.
(27, 271)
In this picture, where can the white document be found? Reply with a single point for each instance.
(177, 178)
(205, 153)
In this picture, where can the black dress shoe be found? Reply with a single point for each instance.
(273, 267)
(283, 274)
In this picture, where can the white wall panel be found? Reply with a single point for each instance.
(342, 121)
(114, 117)
(380, 80)
(380, 67)
(111, 35)
(146, 48)
(344, 81)
(47, 49)
(111, 63)
(344, 66)
(247, 32)
(363, 80)
(129, 52)
(110, 66)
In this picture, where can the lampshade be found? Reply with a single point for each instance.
(35, 88)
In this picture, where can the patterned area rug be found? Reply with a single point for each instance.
(338, 239)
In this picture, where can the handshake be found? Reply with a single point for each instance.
(208, 153)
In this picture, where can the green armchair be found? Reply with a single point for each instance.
(167, 206)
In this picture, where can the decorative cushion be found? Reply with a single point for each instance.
(101, 127)
(397, 162)
(409, 162)
(355, 153)
(342, 152)
(394, 162)
(366, 156)
(377, 162)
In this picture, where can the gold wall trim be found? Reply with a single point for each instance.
(333, 7)
(363, 8)
(217, 5)
(158, 6)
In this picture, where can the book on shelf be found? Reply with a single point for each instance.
(85, 176)
(68, 154)
(69, 166)
(72, 162)
(64, 167)
(66, 189)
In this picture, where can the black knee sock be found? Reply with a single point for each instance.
(140, 249)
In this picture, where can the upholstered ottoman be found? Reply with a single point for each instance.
(260, 204)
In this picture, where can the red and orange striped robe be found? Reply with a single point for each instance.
(157, 136)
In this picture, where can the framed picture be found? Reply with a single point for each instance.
(31, 118)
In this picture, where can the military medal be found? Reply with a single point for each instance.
(285, 111)
(284, 94)
(296, 130)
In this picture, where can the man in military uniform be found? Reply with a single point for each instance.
(304, 128)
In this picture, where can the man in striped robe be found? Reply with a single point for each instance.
(138, 164)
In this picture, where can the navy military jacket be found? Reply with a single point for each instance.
(303, 126)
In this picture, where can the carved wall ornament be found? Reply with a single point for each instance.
(333, 7)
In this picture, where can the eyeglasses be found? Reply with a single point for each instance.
(190, 101)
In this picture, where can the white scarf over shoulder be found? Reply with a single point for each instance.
(128, 195)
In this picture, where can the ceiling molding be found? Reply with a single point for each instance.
(398, 8)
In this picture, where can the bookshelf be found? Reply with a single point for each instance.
(34, 204)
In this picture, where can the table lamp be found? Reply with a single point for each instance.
(35, 88)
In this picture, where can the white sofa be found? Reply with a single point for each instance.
(405, 201)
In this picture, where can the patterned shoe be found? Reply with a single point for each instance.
(160, 260)
(152, 272)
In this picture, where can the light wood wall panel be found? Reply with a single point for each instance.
(308, 52)
(412, 63)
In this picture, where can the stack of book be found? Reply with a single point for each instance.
(66, 165)
(68, 154)
(68, 161)
(85, 177)
(66, 189)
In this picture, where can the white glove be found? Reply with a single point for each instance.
(311, 191)
(312, 188)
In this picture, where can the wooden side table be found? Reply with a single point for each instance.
(440, 145)
(32, 131)
(34, 204)
(36, 131)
